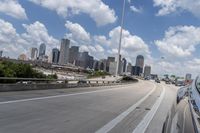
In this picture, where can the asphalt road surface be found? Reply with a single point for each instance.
(133, 108)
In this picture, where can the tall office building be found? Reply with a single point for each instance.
(109, 60)
(129, 68)
(73, 54)
(42, 50)
(124, 63)
(140, 62)
(147, 71)
(64, 51)
(136, 70)
(55, 56)
(83, 60)
(34, 53)
(112, 68)
(1, 53)
(91, 62)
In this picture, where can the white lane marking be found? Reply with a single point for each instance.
(58, 96)
(110, 125)
(142, 126)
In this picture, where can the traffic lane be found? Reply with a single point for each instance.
(79, 113)
(161, 114)
(136, 116)
(17, 95)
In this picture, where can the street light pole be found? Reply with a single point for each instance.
(120, 39)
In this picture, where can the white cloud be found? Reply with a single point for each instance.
(101, 46)
(12, 8)
(135, 9)
(179, 41)
(96, 9)
(14, 43)
(77, 32)
(130, 43)
(171, 6)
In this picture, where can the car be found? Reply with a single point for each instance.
(167, 82)
(60, 82)
(25, 82)
(82, 82)
(157, 81)
(181, 93)
(179, 83)
(184, 117)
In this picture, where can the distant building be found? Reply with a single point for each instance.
(140, 62)
(91, 62)
(22, 57)
(112, 68)
(124, 63)
(64, 52)
(147, 71)
(55, 56)
(73, 54)
(129, 68)
(1, 53)
(109, 60)
(83, 60)
(136, 70)
(34, 53)
(42, 50)
(96, 65)
(102, 65)
(188, 76)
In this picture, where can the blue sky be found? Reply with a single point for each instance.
(153, 28)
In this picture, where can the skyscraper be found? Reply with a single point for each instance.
(64, 51)
(140, 62)
(34, 53)
(83, 59)
(55, 55)
(147, 71)
(73, 54)
(109, 60)
(124, 63)
(129, 68)
(1, 53)
(42, 50)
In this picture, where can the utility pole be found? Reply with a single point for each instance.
(120, 39)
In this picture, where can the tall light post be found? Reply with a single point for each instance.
(120, 39)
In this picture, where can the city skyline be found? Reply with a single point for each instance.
(98, 34)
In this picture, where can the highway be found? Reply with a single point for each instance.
(132, 108)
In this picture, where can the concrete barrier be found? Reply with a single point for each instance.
(45, 86)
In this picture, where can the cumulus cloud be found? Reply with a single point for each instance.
(101, 13)
(14, 43)
(179, 41)
(13, 9)
(135, 9)
(77, 32)
(171, 6)
(102, 46)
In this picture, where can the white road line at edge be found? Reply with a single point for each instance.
(57, 96)
(142, 126)
(110, 125)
